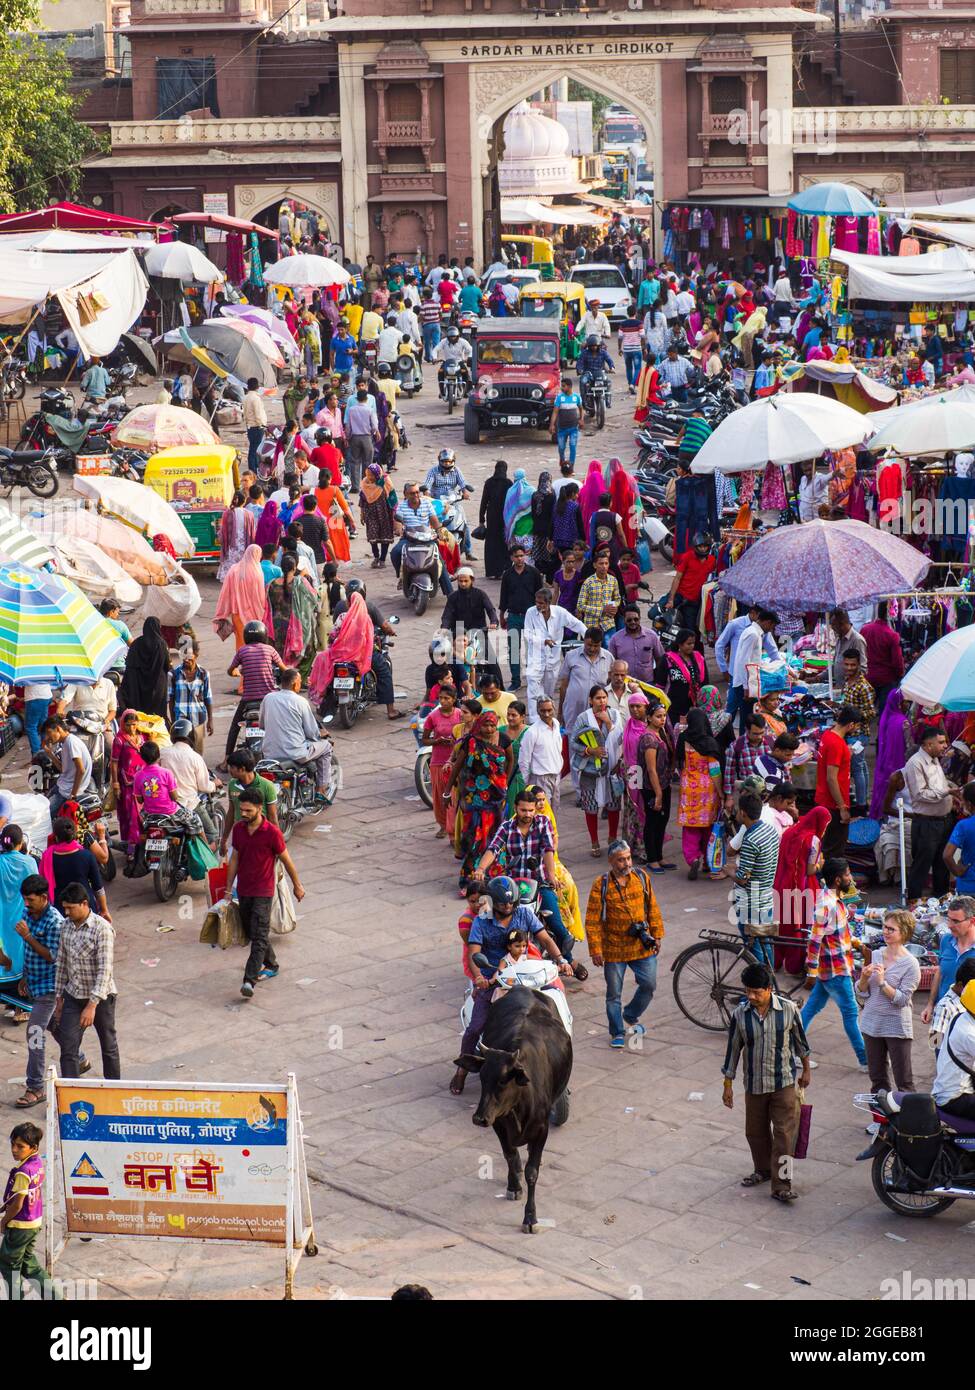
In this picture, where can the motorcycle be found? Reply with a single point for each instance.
(408, 374)
(450, 514)
(658, 534)
(13, 380)
(91, 807)
(420, 568)
(595, 397)
(167, 845)
(352, 690)
(128, 463)
(467, 323)
(421, 763)
(250, 734)
(369, 355)
(455, 387)
(30, 468)
(297, 792)
(90, 729)
(923, 1157)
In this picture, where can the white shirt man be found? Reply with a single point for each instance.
(951, 1080)
(511, 293)
(100, 698)
(191, 773)
(540, 753)
(782, 291)
(411, 297)
(389, 341)
(748, 652)
(543, 634)
(254, 413)
(435, 276)
(595, 321)
(813, 492)
(685, 303)
(457, 351)
(406, 322)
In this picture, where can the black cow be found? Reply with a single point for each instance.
(524, 1060)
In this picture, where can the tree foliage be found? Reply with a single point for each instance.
(42, 143)
(600, 104)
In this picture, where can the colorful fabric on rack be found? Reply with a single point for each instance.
(873, 236)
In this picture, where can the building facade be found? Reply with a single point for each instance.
(386, 117)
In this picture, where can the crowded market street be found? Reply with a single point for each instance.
(640, 1192)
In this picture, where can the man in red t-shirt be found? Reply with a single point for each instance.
(833, 779)
(326, 455)
(257, 846)
(693, 568)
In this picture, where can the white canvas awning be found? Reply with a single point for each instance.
(958, 233)
(952, 258)
(947, 286)
(28, 278)
(521, 211)
(59, 239)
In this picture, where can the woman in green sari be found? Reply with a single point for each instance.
(294, 610)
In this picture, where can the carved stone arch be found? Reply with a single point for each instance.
(253, 198)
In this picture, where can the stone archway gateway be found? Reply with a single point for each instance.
(250, 199)
(496, 87)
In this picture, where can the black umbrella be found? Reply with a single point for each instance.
(137, 350)
(228, 348)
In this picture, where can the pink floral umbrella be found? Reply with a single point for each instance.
(259, 336)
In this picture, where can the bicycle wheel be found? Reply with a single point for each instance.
(706, 983)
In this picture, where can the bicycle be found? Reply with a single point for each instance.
(702, 973)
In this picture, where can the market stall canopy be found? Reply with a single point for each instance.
(130, 549)
(156, 427)
(255, 334)
(276, 327)
(223, 222)
(137, 506)
(178, 260)
(529, 210)
(20, 546)
(58, 240)
(951, 258)
(101, 294)
(832, 200)
(779, 429)
(933, 425)
(944, 674)
(941, 287)
(823, 565)
(49, 630)
(73, 217)
(959, 233)
(302, 272)
(962, 208)
(229, 351)
(850, 385)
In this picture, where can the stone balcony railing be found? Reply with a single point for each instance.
(268, 130)
(883, 120)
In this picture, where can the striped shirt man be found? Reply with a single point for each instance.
(772, 1047)
(757, 861)
(696, 432)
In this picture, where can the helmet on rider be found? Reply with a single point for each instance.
(385, 369)
(446, 458)
(592, 341)
(254, 632)
(440, 650)
(355, 586)
(453, 333)
(503, 892)
(182, 731)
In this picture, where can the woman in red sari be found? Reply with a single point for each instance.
(796, 885)
(126, 761)
(623, 497)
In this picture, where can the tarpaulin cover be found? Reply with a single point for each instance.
(952, 258)
(947, 286)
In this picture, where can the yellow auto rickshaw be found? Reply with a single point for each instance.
(563, 298)
(534, 253)
(198, 481)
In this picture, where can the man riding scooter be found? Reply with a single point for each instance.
(454, 348)
(593, 362)
(444, 478)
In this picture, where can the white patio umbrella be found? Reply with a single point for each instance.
(178, 260)
(299, 272)
(936, 424)
(138, 506)
(779, 429)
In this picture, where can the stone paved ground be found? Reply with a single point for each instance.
(641, 1186)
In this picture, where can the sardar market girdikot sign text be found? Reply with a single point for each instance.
(581, 48)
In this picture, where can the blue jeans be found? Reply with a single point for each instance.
(633, 359)
(840, 988)
(255, 438)
(567, 439)
(35, 712)
(860, 779)
(431, 338)
(645, 971)
(549, 911)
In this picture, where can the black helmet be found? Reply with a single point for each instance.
(385, 369)
(503, 891)
(182, 729)
(355, 586)
(255, 632)
(592, 341)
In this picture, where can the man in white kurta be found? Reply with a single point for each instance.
(542, 636)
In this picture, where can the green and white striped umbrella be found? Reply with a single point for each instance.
(20, 546)
(49, 630)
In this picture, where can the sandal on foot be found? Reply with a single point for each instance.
(789, 1196)
(457, 1082)
(580, 971)
(28, 1099)
(694, 870)
(756, 1179)
(596, 852)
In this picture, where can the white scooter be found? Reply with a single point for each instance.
(526, 973)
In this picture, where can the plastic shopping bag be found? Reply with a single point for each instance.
(717, 851)
(805, 1125)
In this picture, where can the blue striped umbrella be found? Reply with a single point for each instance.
(49, 630)
(945, 674)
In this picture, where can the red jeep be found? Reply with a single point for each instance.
(516, 373)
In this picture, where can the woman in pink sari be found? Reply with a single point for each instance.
(623, 494)
(243, 598)
(351, 640)
(125, 763)
(237, 527)
(590, 493)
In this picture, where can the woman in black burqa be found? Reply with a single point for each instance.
(145, 684)
(491, 517)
